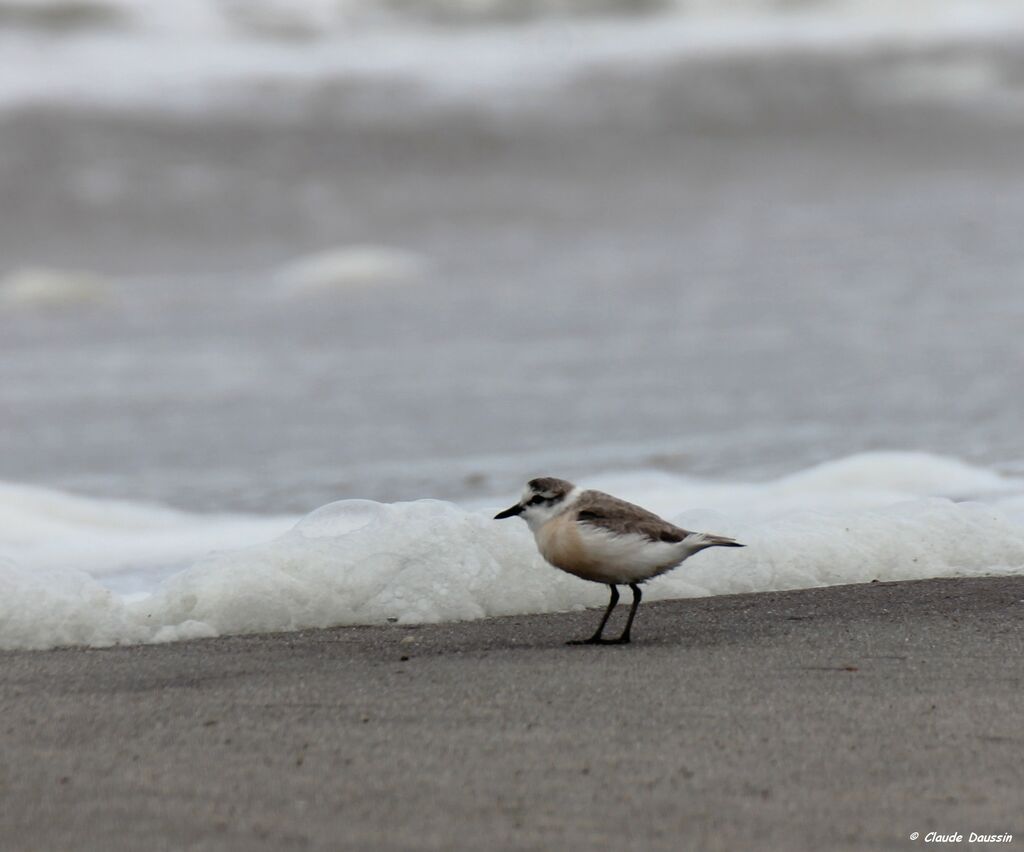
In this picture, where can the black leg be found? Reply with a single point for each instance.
(596, 638)
(624, 638)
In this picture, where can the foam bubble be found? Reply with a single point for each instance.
(884, 516)
(40, 288)
(341, 517)
(336, 270)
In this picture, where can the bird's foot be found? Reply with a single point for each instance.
(599, 640)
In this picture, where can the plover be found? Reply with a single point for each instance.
(606, 540)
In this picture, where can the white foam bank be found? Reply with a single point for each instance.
(90, 572)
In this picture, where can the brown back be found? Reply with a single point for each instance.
(624, 518)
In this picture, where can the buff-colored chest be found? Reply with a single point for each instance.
(560, 543)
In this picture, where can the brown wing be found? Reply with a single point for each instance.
(622, 518)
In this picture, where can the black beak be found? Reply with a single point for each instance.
(510, 512)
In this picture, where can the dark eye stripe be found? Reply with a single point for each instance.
(537, 499)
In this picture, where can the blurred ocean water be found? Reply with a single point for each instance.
(257, 256)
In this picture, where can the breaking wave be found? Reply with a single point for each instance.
(198, 54)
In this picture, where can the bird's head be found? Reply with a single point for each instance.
(542, 499)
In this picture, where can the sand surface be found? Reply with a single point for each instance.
(846, 717)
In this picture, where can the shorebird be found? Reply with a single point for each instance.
(606, 540)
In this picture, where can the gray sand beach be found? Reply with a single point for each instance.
(835, 718)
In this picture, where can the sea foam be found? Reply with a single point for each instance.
(40, 288)
(75, 571)
(338, 269)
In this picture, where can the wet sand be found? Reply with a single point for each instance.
(840, 718)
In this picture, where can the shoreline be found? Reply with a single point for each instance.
(836, 717)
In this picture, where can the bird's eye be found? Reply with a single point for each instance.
(539, 498)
